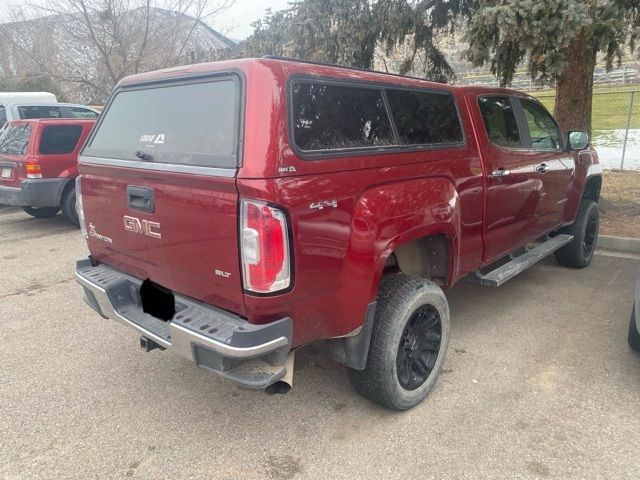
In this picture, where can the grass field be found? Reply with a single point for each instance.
(610, 106)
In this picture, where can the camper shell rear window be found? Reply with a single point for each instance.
(181, 123)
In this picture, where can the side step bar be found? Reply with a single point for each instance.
(519, 263)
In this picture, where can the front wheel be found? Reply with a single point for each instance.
(408, 343)
(578, 253)
(41, 212)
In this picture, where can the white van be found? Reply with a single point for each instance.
(25, 105)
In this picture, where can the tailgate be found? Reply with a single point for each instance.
(158, 187)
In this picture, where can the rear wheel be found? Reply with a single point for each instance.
(69, 206)
(408, 343)
(579, 252)
(634, 335)
(41, 212)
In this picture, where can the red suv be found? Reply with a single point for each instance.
(235, 211)
(39, 165)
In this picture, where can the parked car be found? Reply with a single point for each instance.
(235, 211)
(39, 165)
(634, 322)
(27, 105)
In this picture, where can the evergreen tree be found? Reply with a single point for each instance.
(558, 40)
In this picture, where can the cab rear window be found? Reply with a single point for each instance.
(14, 139)
(184, 124)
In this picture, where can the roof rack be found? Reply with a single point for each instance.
(325, 64)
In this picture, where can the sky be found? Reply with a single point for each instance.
(235, 23)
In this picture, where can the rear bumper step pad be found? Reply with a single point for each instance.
(214, 339)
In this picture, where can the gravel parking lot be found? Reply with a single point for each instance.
(539, 383)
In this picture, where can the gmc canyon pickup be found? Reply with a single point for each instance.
(237, 210)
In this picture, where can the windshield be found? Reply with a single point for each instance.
(188, 124)
(14, 139)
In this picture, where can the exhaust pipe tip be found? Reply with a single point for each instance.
(279, 388)
(283, 386)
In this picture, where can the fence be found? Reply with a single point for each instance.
(615, 126)
(629, 73)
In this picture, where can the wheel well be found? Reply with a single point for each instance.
(426, 257)
(592, 189)
(68, 186)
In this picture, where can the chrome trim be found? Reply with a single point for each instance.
(501, 172)
(543, 168)
(182, 338)
(107, 309)
(162, 167)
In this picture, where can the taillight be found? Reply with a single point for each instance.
(264, 248)
(33, 169)
(80, 208)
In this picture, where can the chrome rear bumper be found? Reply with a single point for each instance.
(215, 339)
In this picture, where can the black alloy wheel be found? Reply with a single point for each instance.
(419, 347)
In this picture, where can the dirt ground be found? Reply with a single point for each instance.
(620, 204)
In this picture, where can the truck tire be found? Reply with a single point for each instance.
(408, 343)
(634, 335)
(69, 206)
(41, 212)
(579, 252)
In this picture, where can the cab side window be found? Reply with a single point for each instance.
(500, 121)
(544, 131)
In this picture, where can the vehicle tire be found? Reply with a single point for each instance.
(69, 206)
(408, 343)
(41, 212)
(634, 335)
(579, 252)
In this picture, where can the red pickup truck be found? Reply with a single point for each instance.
(237, 210)
(39, 165)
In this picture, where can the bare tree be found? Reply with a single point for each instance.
(92, 44)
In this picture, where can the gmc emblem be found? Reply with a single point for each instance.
(143, 227)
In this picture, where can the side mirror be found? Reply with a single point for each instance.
(578, 140)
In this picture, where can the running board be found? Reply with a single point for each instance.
(519, 263)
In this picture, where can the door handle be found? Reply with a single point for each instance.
(140, 198)
(542, 168)
(501, 172)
